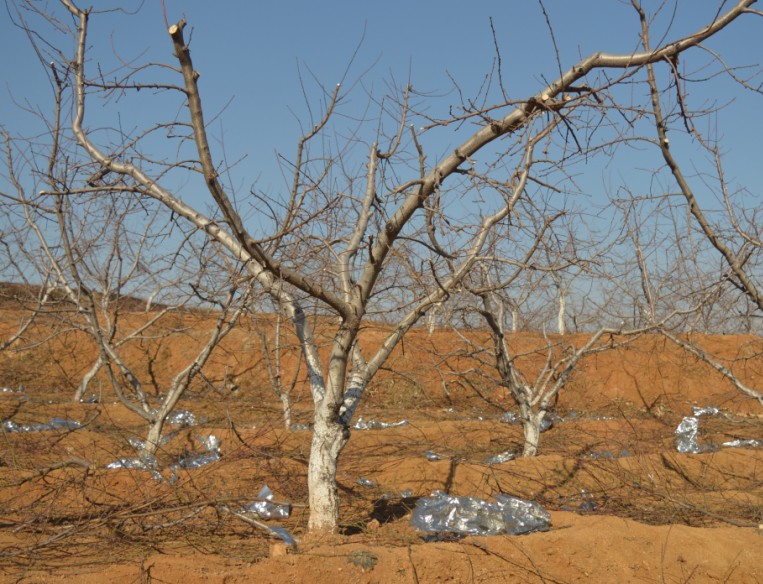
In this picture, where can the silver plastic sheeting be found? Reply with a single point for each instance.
(505, 456)
(442, 513)
(139, 445)
(608, 455)
(509, 418)
(406, 494)
(432, 456)
(197, 460)
(143, 462)
(136, 443)
(523, 516)
(363, 482)
(600, 455)
(548, 420)
(688, 429)
(182, 418)
(283, 534)
(54, 424)
(146, 462)
(686, 437)
(373, 424)
(191, 460)
(210, 442)
(267, 509)
(739, 443)
(573, 415)
(707, 411)
(589, 503)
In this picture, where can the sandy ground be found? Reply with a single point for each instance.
(625, 505)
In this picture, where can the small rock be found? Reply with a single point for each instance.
(363, 559)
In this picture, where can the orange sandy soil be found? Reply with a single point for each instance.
(646, 514)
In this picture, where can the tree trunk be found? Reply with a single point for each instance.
(514, 319)
(329, 438)
(154, 436)
(286, 407)
(531, 422)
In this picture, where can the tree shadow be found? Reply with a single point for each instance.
(385, 510)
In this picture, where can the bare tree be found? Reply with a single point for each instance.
(94, 263)
(535, 376)
(535, 394)
(737, 238)
(17, 264)
(104, 255)
(740, 244)
(331, 243)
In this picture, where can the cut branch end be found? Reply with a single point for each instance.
(177, 28)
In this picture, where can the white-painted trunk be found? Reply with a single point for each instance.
(329, 438)
(514, 319)
(531, 422)
(286, 407)
(562, 308)
(154, 437)
(352, 397)
(432, 319)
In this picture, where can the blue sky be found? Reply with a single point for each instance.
(248, 54)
